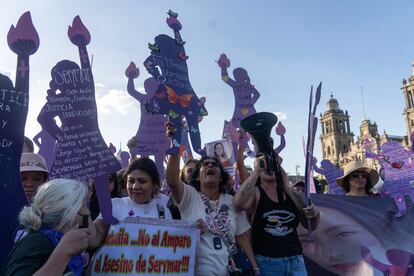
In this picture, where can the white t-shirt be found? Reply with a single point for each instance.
(125, 207)
(211, 261)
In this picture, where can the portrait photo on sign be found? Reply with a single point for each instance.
(222, 150)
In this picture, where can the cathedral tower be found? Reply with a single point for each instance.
(336, 134)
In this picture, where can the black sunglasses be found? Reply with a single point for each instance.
(212, 163)
(359, 174)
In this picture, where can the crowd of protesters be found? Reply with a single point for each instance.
(254, 227)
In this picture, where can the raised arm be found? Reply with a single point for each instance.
(37, 138)
(280, 131)
(132, 72)
(80, 36)
(46, 120)
(172, 173)
(240, 166)
(176, 26)
(24, 41)
(245, 196)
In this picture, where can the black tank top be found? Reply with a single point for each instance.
(274, 228)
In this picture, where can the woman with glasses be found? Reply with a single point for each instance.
(358, 179)
(205, 200)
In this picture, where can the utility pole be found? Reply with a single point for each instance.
(297, 173)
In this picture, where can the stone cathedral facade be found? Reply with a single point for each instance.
(340, 145)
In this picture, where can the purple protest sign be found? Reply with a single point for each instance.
(245, 94)
(175, 96)
(398, 174)
(81, 152)
(46, 144)
(23, 40)
(151, 138)
(331, 173)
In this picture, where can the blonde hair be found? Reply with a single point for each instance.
(56, 204)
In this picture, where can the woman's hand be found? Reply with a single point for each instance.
(202, 226)
(74, 241)
(169, 129)
(260, 163)
(311, 211)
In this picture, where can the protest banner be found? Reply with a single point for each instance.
(23, 40)
(175, 96)
(147, 246)
(360, 236)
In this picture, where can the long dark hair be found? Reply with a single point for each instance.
(368, 186)
(195, 182)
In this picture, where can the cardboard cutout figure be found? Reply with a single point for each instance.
(81, 151)
(175, 96)
(245, 94)
(398, 174)
(151, 139)
(331, 173)
(23, 40)
(124, 159)
(46, 144)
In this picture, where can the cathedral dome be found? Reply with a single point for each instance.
(332, 104)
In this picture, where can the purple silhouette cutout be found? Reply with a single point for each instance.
(175, 96)
(23, 40)
(124, 159)
(151, 139)
(112, 148)
(401, 262)
(46, 144)
(81, 151)
(245, 94)
(398, 174)
(331, 173)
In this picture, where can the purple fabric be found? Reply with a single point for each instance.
(23, 40)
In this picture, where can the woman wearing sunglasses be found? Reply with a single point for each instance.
(358, 179)
(205, 200)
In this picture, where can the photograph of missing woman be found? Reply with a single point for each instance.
(223, 151)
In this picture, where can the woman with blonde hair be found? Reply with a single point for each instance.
(55, 240)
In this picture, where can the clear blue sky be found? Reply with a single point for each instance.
(286, 46)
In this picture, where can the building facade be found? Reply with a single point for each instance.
(337, 139)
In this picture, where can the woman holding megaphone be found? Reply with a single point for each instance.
(275, 209)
